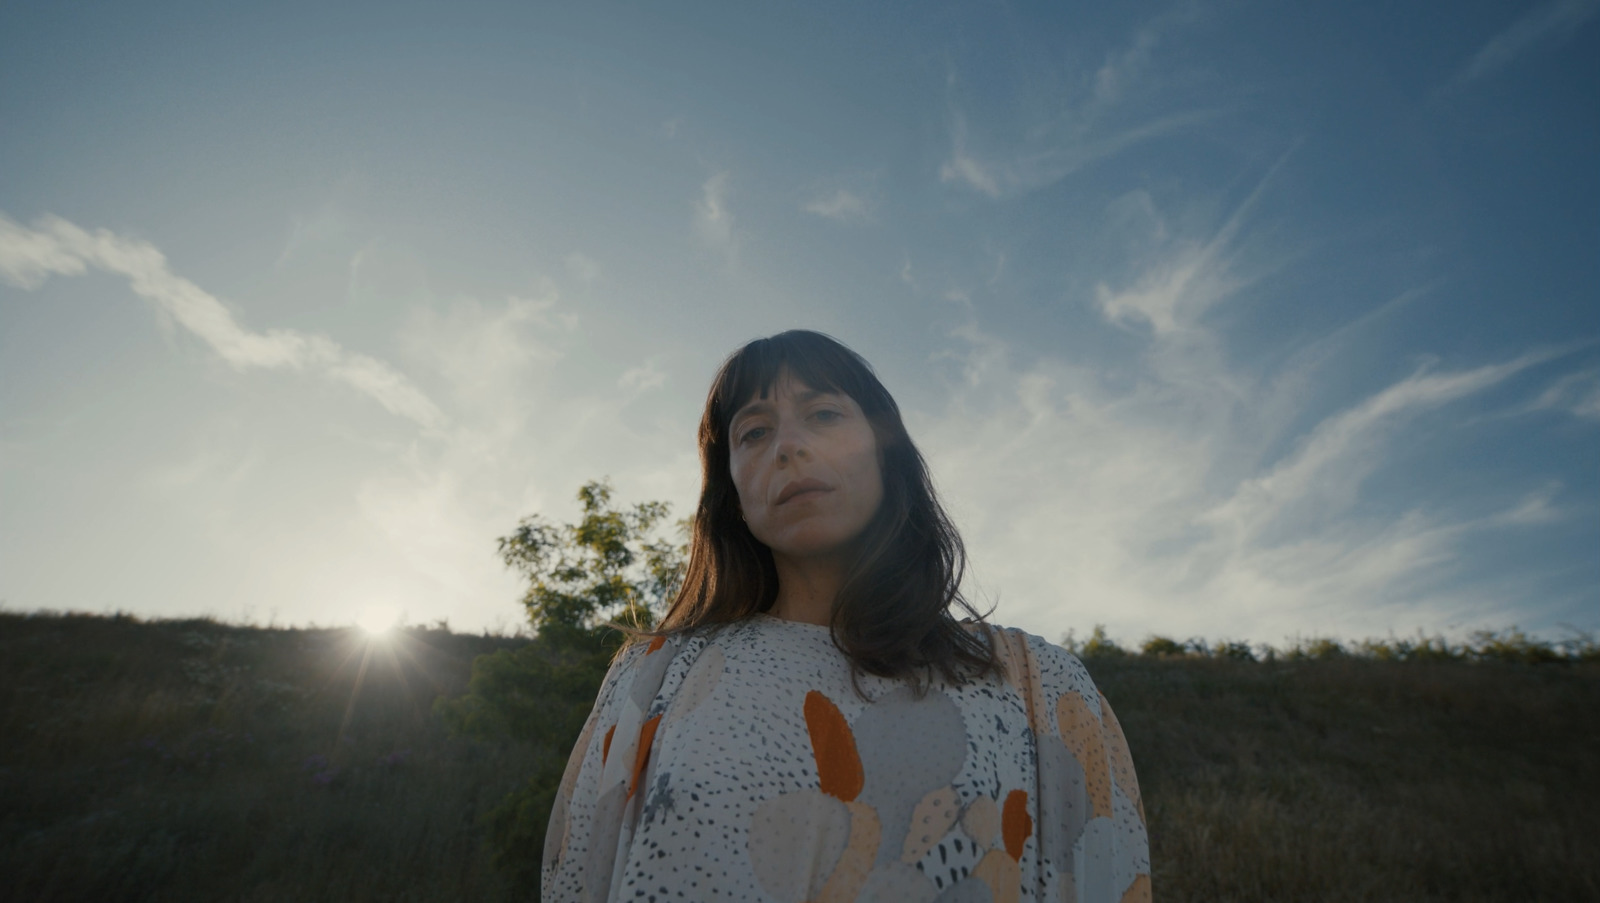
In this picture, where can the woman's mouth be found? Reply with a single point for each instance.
(802, 487)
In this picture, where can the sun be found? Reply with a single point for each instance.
(377, 620)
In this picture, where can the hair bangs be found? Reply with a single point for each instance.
(815, 360)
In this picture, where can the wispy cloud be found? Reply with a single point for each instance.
(1173, 295)
(1550, 22)
(1576, 393)
(325, 225)
(56, 247)
(841, 205)
(485, 352)
(582, 268)
(642, 378)
(1191, 495)
(965, 168)
(1321, 480)
(1185, 277)
(713, 221)
(1078, 128)
(1162, 507)
(1046, 161)
(906, 275)
(1125, 67)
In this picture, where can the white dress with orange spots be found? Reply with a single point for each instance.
(740, 764)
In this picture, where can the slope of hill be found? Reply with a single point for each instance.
(1353, 779)
(193, 760)
(190, 760)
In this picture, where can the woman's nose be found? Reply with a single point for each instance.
(791, 444)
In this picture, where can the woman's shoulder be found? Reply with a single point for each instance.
(652, 665)
(1019, 637)
(648, 655)
(1029, 660)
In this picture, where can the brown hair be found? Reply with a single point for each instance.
(891, 617)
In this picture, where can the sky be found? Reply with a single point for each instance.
(1213, 319)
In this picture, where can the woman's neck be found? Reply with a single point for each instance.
(807, 589)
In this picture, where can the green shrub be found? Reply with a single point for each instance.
(1101, 646)
(1422, 649)
(1511, 645)
(1161, 646)
(1233, 650)
(1320, 649)
(1580, 647)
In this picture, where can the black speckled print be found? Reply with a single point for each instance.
(740, 764)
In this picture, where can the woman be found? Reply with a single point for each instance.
(810, 722)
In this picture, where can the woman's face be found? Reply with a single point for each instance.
(805, 464)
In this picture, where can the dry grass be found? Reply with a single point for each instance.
(1353, 779)
(179, 761)
(196, 761)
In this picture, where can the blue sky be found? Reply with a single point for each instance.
(1218, 319)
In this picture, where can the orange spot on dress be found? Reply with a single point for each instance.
(834, 746)
(1138, 891)
(1016, 826)
(647, 736)
(1084, 735)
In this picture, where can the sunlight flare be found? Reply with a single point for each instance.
(377, 620)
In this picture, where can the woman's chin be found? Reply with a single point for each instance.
(811, 545)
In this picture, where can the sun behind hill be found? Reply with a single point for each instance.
(377, 620)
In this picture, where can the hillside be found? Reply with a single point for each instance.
(191, 760)
(1353, 779)
(195, 760)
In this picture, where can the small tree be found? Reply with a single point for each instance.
(1098, 645)
(607, 569)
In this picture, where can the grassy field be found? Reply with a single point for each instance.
(1352, 779)
(187, 760)
(190, 760)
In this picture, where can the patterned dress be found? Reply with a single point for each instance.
(741, 764)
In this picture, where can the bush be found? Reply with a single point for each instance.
(1511, 645)
(1580, 647)
(1101, 646)
(1233, 650)
(1321, 649)
(1161, 646)
(1422, 649)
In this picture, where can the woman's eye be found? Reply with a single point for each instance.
(827, 415)
(752, 434)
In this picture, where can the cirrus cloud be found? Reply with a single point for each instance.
(56, 247)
